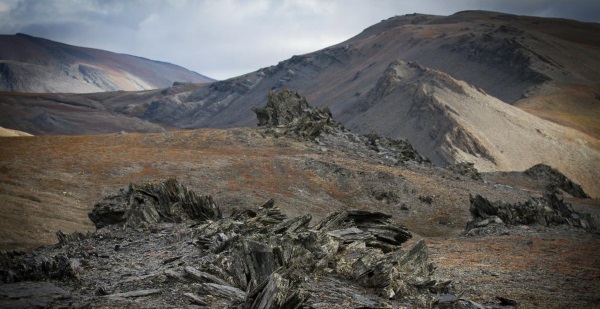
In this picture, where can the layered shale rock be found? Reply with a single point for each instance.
(544, 211)
(167, 201)
(289, 113)
(162, 245)
(555, 181)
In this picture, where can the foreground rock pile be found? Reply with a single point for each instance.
(493, 217)
(162, 245)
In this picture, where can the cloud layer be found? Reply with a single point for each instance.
(227, 38)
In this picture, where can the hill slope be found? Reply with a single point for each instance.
(30, 64)
(450, 121)
(50, 183)
(485, 67)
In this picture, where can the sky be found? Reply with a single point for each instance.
(227, 38)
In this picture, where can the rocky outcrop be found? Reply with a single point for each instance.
(255, 258)
(288, 113)
(401, 150)
(465, 169)
(153, 202)
(545, 211)
(555, 181)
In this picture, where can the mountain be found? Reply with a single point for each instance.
(31, 64)
(464, 87)
(503, 91)
(9, 132)
(451, 121)
(337, 219)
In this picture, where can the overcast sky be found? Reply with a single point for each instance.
(227, 38)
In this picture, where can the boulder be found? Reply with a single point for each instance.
(288, 113)
(401, 150)
(546, 211)
(153, 202)
(465, 169)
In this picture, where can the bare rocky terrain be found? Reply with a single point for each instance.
(459, 88)
(532, 244)
(462, 174)
(31, 64)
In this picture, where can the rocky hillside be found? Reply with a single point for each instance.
(455, 86)
(299, 212)
(31, 64)
(450, 121)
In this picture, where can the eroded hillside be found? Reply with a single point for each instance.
(526, 246)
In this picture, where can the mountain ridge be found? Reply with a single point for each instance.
(507, 61)
(32, 64)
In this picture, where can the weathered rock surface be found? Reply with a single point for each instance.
(555, 180)
(160, 244)
(289, 113)
(168, 201)
(546, 211)
(466, 169)
(33, 295)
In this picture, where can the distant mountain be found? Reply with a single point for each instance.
(9, 132)
(31, 64)
(466, 87)
(548, 67)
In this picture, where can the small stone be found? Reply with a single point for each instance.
(195, 299)
(504, 301)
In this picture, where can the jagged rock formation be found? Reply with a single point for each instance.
(256, 258)
(288, 113)
(546, 211)
(555, 180)
(291, 113)
(401, 150)
(168, 201)
(30, 64)
(466, 169)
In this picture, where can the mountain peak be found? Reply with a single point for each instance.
(33, 64)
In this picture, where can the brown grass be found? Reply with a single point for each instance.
(575, 106)
(49, 183)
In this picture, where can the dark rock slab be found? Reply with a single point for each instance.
(548, 210)
(554, 180)
(136, 293)
(16, 267)
(33, 295)
(288, 113)
(223, 291)
(153, 202)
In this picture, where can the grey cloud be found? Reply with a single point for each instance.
(231, 37)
